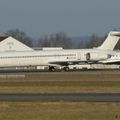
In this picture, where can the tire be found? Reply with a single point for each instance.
(66, 69)
(51, 69)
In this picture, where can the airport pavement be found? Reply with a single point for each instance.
(68, 97)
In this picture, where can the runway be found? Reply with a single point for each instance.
(68, 97)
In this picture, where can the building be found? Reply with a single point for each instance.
(8, 43)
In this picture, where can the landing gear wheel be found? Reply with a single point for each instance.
(66, 69)
(51, 69)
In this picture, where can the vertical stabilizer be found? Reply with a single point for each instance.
(110, 41)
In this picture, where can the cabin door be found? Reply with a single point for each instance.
(78, 56)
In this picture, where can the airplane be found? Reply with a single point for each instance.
(62, 58)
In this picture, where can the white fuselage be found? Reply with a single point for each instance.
(35, 58)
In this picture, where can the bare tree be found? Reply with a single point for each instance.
(95, 41)
(82, 44)
(21, 36)
(56, 40)
(44, 42)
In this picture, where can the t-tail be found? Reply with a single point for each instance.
(111, 41)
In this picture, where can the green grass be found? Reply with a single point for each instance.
(96, 75)
(61, 82)
(59, 111)
(82, 86)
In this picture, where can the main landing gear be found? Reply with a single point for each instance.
(53, 69)
(66, 69)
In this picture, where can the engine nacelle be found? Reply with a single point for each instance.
(96, 56)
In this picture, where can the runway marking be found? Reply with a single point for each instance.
(4, 76)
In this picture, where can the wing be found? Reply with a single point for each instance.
(111, 61)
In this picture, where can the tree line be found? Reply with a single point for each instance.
(58, 40)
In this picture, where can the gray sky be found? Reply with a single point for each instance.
(74, 17)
